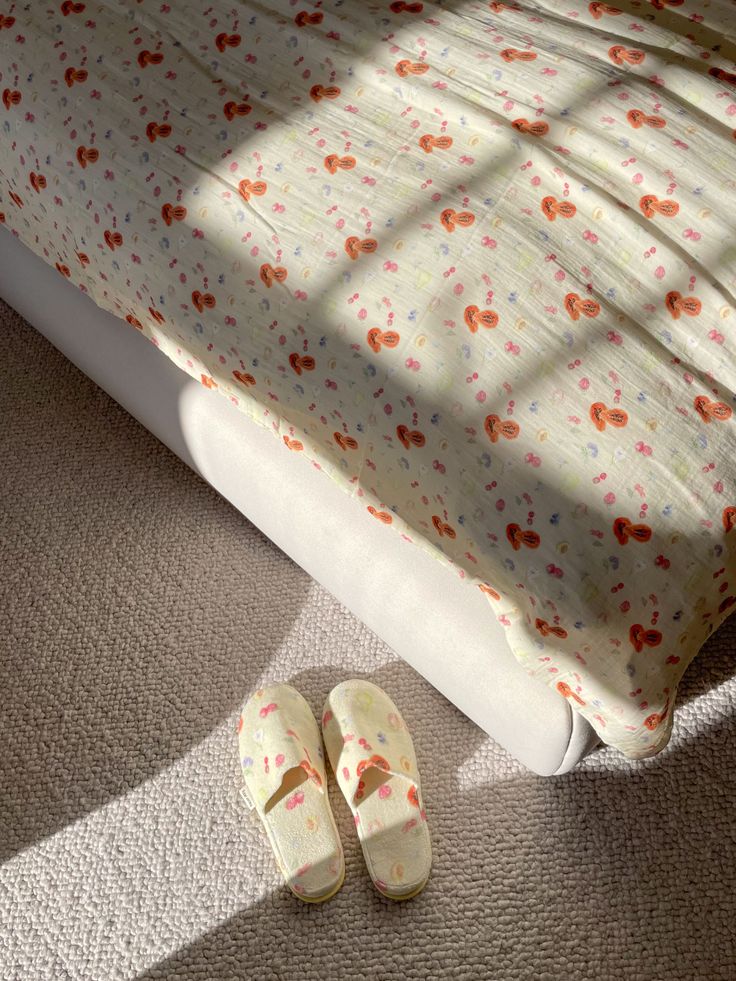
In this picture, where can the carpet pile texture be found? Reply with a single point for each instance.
(137, 612)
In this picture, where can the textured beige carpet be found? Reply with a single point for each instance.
(138, 610)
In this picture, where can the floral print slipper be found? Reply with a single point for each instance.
(284, 772)
(373, 757)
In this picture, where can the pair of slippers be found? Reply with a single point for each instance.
(372, 756)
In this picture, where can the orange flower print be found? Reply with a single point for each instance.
(208, 381)
(69, 7)
(475, 318)
(113, 239)
(641, 637)
(620, 55)
(311, 772)
(202, 300)
(443, 529)
(63, 269)
(497, 7)
(333, 163)
(512, 54)
(16, 199)
(247, 188)
(723, 76)
(709, 410)
(301, 362)
(37, 181)
(11, 97)
(405, 67)
(663, 4)
(624, 529)
(272, 274)
(410, 437)
(83, 258)
(383, 516)
(173, 212)
(489, 590)
(566, 691)
(412, 795)
(304, 18)
(654, 721)
(729, 518)
(378, 338)
(345, 442)
(726, 604)
(400, 7)
(150, 58)
(598, 10)
(380, 762)
(429, 143)
(319, 92)
(155, 131)
(496, 427)
(552, 208)
(134, 322)
(539, 128)
(546, 629)
(354, 246)
(651, 205)
(638, 118)
(244, 378)
(678, 304)
(451, 219)
(293, 444)
(74, 75)
(603, 416)
(6, 22)
(519, 536)
(576, 305)
(223, 41)
(232, 109)
(87, 155)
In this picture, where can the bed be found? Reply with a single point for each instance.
(439, 295)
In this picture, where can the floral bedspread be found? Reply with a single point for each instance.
(475, 260)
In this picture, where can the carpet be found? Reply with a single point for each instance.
(137, 612)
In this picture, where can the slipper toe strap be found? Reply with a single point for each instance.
(353, 749)
(277, 732)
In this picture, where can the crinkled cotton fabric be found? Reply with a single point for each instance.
(474, 260)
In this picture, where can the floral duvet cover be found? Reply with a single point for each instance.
(474, 260)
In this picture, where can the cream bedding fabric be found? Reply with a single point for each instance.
(475, 260)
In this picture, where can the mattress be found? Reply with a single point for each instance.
(475, 261)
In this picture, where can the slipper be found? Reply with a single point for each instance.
(284, 772)
(373, 757)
